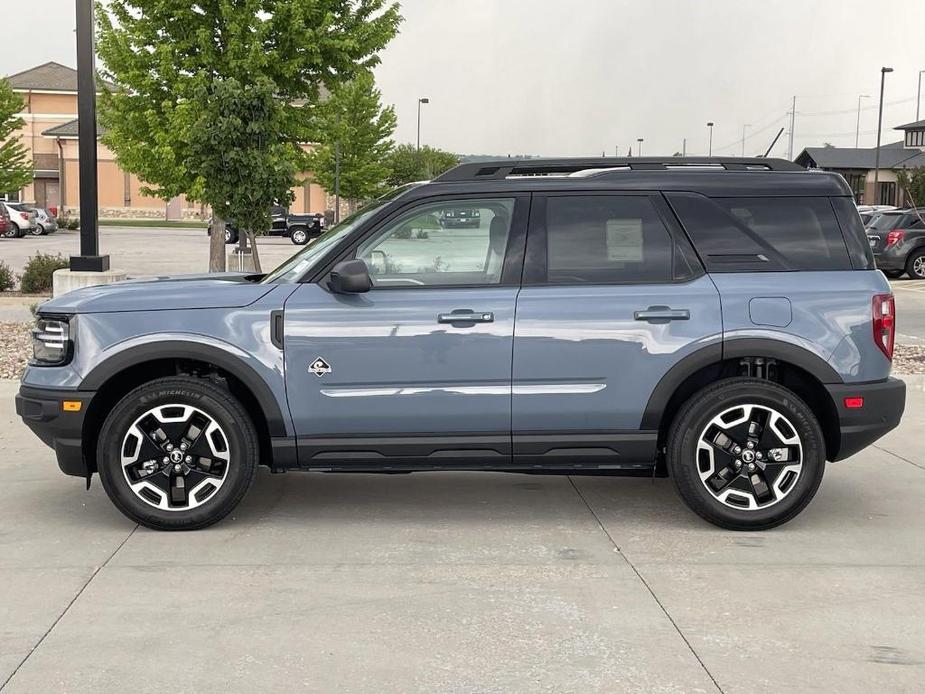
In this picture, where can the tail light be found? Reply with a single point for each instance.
(894, 237)
(884, 323)
(24, 215)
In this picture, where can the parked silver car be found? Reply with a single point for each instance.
(24, 217)
(48, 223)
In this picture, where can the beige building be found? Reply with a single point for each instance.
(49, 93)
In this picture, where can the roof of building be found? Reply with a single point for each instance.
(49, 77)
(69, 129)
(918, 125)
(892, 156)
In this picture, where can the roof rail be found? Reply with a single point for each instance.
(506, 168)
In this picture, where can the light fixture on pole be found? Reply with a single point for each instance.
(639, 147)
(710, 126)
(744, 128)
(883, 72)
(857, 132)
(420, 101)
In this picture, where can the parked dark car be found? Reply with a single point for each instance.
(897, 239)
(298, 228)
(461, 218)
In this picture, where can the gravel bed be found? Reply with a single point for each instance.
(16, 348)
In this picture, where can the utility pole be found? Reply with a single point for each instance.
(744, 128)
(639, 148)
(710, 126)
(857, 132)
(793, 120)
(684, 148)
(616, 150)
(420, 101)
(918, 100)
(883, 72)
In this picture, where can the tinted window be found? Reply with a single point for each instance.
(886, 222)
(462, 242)
(855, 236)
(599, 239)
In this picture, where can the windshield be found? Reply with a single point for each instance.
(304, 260)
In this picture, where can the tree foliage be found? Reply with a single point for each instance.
(354, 122)
(177, 64)
(15, 166)
(407, 164)
(912, 182)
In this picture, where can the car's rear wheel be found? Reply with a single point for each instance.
(177, 453)
(38, 230)
(230, 236)
(746, 454)
(299, 237)
(915, 265)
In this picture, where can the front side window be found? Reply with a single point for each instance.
(600, 239)
(458, 242)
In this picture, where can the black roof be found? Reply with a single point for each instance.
(714, 177)
(894, 155)
(917, 125)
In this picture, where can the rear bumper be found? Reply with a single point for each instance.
(41, 411)
(884, 403)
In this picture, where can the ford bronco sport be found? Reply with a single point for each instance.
(719, 321)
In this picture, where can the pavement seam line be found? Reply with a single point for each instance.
(646, 584)
(897, 455)
(65, 610)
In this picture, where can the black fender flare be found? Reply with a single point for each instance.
(732, 349)
(179, 349)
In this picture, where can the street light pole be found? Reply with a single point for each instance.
(883, 72)
(744, 128)
(710, 126)
(89, 258)
(420, 101)
(857, 133)
(639, 148)
(918, 100)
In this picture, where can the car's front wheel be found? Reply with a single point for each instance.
(177, 453)
(299, 237)
(746, 454)
(915, 265)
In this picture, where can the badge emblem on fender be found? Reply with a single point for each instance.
(320, 367)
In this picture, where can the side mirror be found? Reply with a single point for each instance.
(350, 277)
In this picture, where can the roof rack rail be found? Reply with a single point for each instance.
(507, 168)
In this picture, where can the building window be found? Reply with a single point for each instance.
(887, 194)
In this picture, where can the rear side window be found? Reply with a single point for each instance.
(602, 239)
(754, 234)
(855, 237)
(886, 222)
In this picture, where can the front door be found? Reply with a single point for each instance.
(613, 297)
(417, 371)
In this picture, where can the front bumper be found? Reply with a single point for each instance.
(884, 403)
(41, 410)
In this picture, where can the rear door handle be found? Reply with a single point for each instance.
(465, 315)
(662, 314)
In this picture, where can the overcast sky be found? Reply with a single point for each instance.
(578, 77)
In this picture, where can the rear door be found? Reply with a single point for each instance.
(613, 297)
(417, 371)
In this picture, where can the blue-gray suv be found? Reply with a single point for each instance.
(719, 321)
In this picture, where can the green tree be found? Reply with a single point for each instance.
(354, 122)
(15, 166)
(912, 183)
(176, 64)
(407, 164)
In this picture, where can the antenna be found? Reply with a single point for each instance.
(779, 133)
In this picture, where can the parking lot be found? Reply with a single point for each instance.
(464, 582)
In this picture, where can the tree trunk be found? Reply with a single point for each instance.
(254, 254)
(217, 245)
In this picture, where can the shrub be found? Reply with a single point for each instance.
(7, 280)
(73, 223)
(37, 276)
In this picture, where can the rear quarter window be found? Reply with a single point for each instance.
(763, 234)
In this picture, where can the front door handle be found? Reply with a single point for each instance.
(662, 314)
(465, 315)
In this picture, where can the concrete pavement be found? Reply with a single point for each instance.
(464, 582)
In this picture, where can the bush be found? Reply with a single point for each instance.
(73, 223)
(7, 281)
(36, 278)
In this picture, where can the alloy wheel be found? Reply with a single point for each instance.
(175, 457)
(749, 457)
(918, 267)
(299, 237)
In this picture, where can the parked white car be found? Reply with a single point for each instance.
(25, 218)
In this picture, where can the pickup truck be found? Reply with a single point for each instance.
(298, 228)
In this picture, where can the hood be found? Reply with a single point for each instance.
(217, 290)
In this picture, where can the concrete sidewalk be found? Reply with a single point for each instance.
(464, 582)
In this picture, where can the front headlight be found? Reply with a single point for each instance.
(51, 341)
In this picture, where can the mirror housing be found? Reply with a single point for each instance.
(350, 277)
